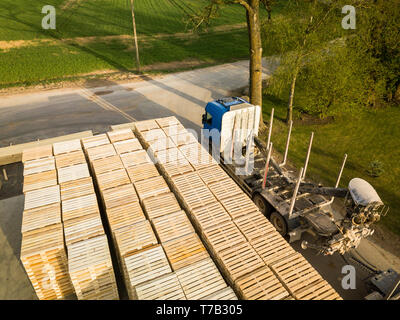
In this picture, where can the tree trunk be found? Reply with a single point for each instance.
(253, 27)
(289, 114)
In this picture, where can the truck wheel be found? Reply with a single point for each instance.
(279, 223)
(262, 204)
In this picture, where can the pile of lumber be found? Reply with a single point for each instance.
(254, 258)
(89, 258)
(43, 252)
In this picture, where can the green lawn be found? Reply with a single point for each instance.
(21, 19)
(43, 62)
(31, 65)
(373, 135)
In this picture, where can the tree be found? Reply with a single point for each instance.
(252, 8)
(337, 71)
(376, 43)
(298, 38)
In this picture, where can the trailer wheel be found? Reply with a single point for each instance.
(263, 205)
(279, 223)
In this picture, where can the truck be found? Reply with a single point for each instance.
(293, 204)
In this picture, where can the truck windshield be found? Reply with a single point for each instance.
(208, 118)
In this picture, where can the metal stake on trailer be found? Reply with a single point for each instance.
(308, 156)
(267, 165)
(287, 144)
(270, 127)
(296, 189)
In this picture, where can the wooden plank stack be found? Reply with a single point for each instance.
(43, 252)
(89, 259)
(243, 243)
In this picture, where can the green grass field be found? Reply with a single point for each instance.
(373, 135)
(46, 62)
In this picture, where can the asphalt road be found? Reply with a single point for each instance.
(32, 116)
(28, 117)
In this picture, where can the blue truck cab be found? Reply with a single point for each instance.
(212, 119)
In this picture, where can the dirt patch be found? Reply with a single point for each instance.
(69, 4)
(6, 46)
(174, 65)
(386, 239)
(102, 78)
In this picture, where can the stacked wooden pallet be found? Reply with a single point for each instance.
(186, 253)
(91, 269)
(39, 168)
(200, 279)
(115, 172)
(80, 212)
(43, 251)
(44, 258)
(241, 240)
(161, 205)
(144, 266)
(197, 156)
(185, 250)
(89, 258)
(261, 284)
(302, 280)
(164, 287)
